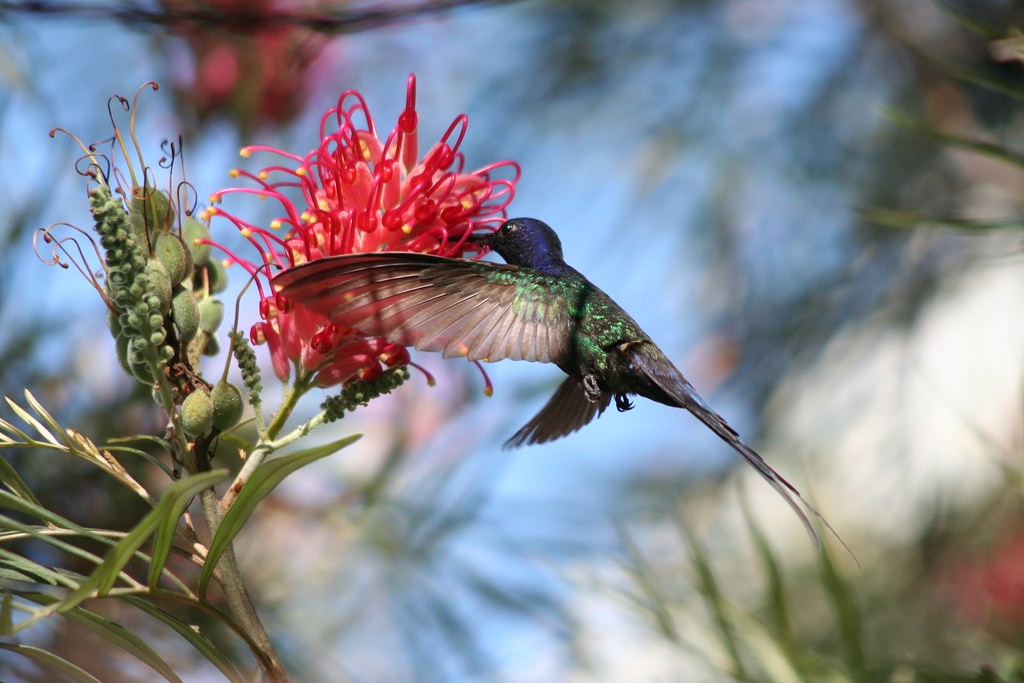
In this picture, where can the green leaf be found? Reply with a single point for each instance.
(991, 149)
(262, 482)
(112, 631)
(171, 505)
(51, 661)
(36, 509)
(48, 419)
(9, 476)
(906, 220)
(714, 599)
(848, 617)
(6, 617)
(778, 602)
(29, 419)
(200, 642)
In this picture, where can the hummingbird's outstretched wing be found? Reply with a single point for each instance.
(480, 310)
(667, 382)
(564, 413)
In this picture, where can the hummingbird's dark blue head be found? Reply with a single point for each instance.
(527, 242)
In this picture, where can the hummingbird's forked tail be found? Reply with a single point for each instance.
(670, 387)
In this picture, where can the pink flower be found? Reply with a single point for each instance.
(357, 193)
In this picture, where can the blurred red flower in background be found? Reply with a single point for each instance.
(246, 61)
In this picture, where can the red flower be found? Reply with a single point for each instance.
(358, 194)
(247, 61)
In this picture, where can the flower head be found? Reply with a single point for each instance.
(357, 192)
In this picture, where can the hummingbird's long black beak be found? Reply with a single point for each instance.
(481, 239)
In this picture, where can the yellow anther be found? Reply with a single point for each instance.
(263, 175)
(246, 232)
(275, 224)
(234, 173)
(300, 171)
(245, 152)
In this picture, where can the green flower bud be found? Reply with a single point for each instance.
(114, 322)
(185, 313)
(227, 405)
(197, 413)
(159, 285)
(211, 314)
(192, 230)
(139, 366)
(121, 344)
(176, 258)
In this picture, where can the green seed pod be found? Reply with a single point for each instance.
(211, 314)
(218, 276)
(197, 413)
(227, 406)
(176, 258)
(192, 230)
(150, 208)
(212, 347)
(185, 313)
(159, 285)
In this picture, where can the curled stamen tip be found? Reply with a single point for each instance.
(488, 391)
(245, 152)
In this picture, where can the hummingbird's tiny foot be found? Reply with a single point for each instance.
(622, 403)
(590, 388)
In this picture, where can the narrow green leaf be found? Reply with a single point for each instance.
(8, 428)
(51, 661)
(10, 477)
(199, 641)
(984, 147)
(778, 602)
(51, 422)
(31, 420)
(905, 220)
(6, 616)
(114, 632)
(38, 511)
(715, 600)
(172, 504)
(262, 482)
(847, 615)
(13, 567)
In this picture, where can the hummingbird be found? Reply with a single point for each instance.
(533, 307)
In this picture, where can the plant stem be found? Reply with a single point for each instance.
(239, 601)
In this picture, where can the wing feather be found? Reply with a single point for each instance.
(456, 306)
(564, 413)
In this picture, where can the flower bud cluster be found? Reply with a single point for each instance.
(161, 288)
(245, 356)
(361, 392)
